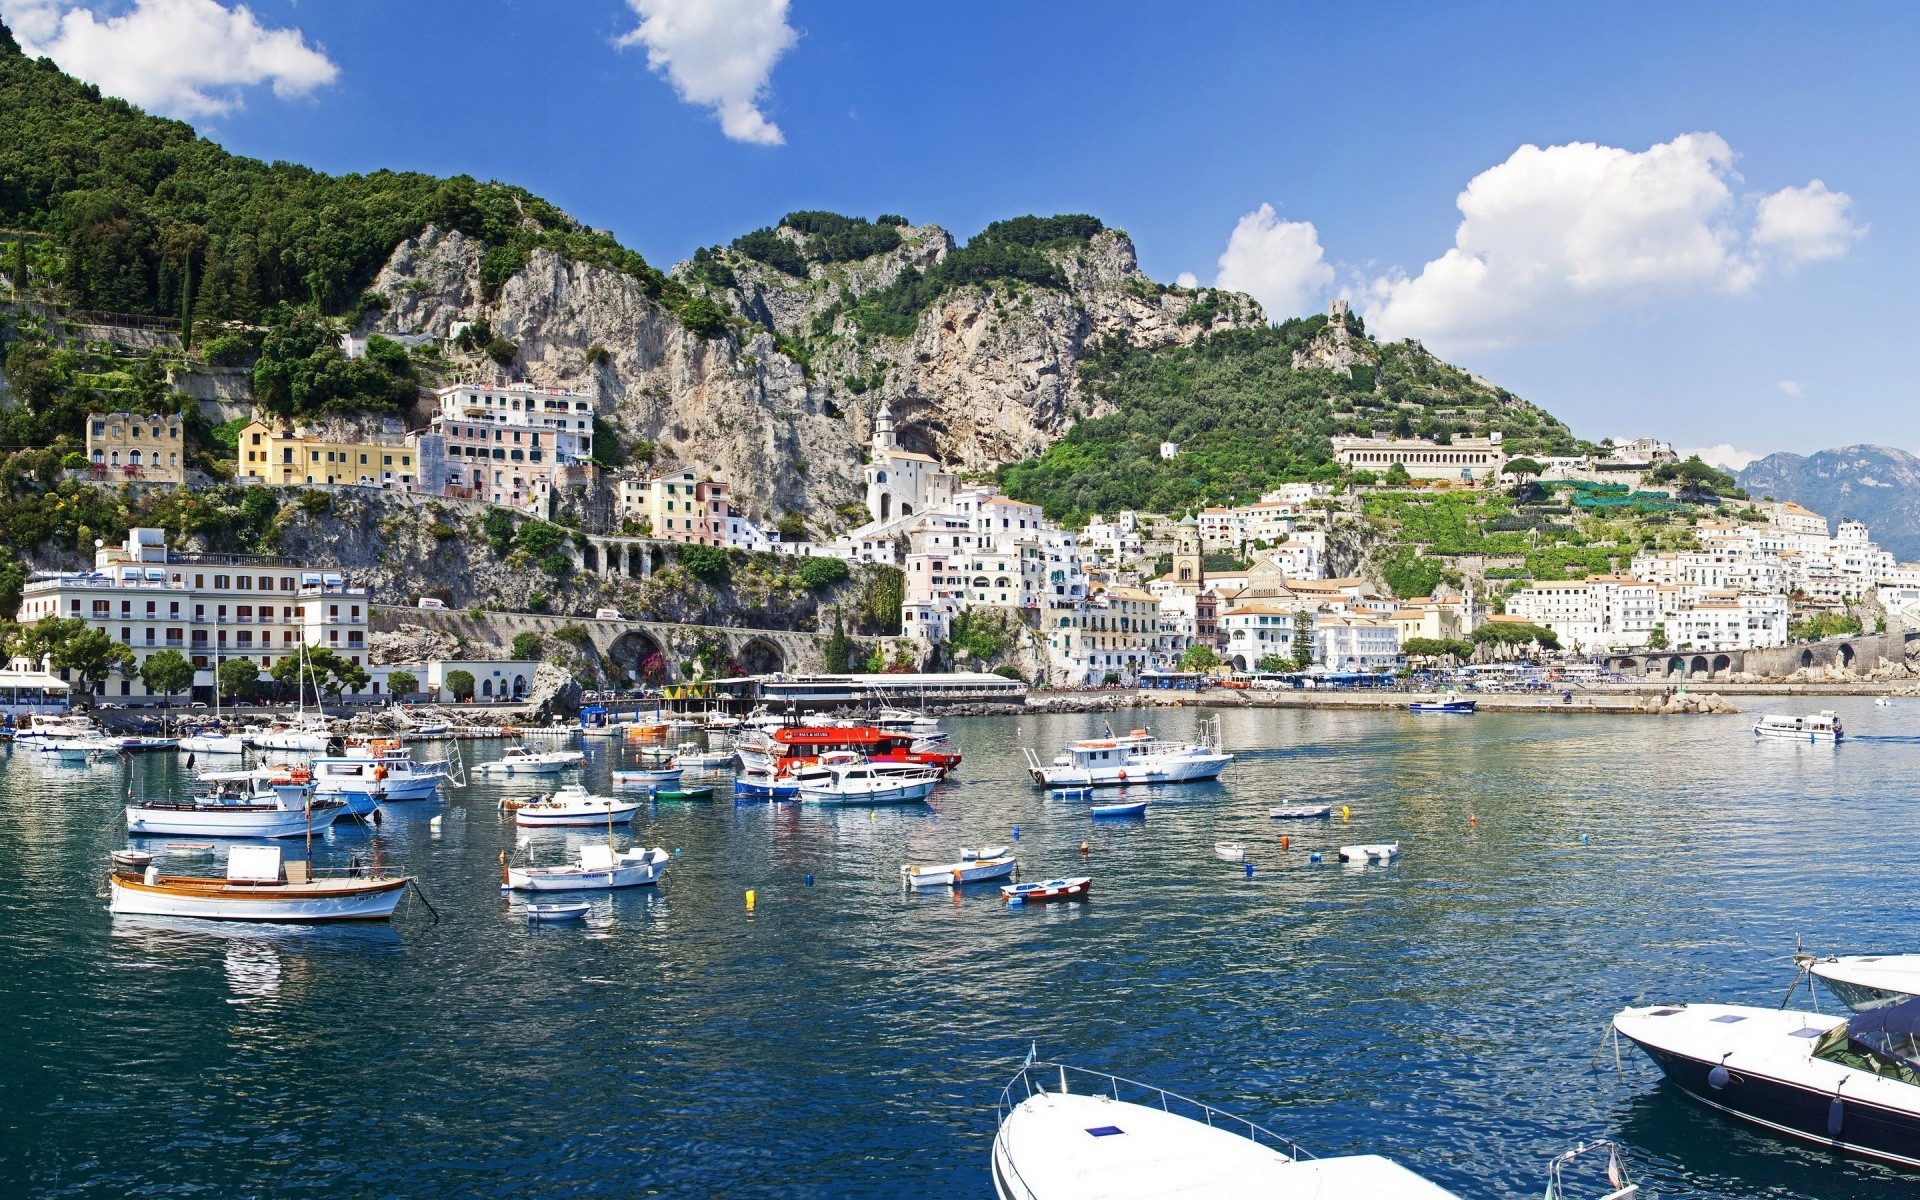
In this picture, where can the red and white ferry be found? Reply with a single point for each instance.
(794, 746)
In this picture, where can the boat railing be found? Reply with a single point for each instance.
(1034, 1077)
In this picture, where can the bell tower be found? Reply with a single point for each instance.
(1189, 564)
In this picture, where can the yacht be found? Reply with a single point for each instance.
(1850, 1084)
(518, 760)
(1056, 1143)
(1822, 726)
(1138, 757)
(863, 783)
(1864, 981)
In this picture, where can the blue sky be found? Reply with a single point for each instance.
(1702, 289)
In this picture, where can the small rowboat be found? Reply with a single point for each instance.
(955, 874)
(697, 795)
(645, 779)
(1229, 851)
(1053, 889)
(136, 859)
(564, 910)
(1300, 812)
(1138, 809)
(1375, 852)
(1071, 793)
(188, 849)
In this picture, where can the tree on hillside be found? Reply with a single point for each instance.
(1525, 468)
(1695, 480)
(1396, 476)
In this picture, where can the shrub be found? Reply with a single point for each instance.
(538, 538)
(526, 645)
(73, 460)
(767, 246)
(315, 503)
(498, 527)
(708, 564)
(502, 351)
(819, 574)
(793, 528)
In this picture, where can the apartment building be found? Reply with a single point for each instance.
(287, 455)
(137, 447)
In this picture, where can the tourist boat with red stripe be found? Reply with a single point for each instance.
(801, 745)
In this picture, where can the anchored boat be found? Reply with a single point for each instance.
(1864, 981)
(522, 761)
(599, 869)
(1844, 1084)
(257, 887)
(280, 810)
(1452, 702)
(1823, 726)
(973, 866)
(1138, 757)
(1053, 889)
(573, 806)
(867, 783)
(1054, 1143)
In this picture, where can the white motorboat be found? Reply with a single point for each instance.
(80, 750)
(973, 866)
(379, 771)
(1229, 851)
(574, 806)
(1848, 1084)
(1138, 757)
(213, 743)
(1864, 981)
(1822, 726)
(865, 784)
(519, 760)
(1054, 1143)
(692, 757)
(1384, 852)
(38, 729)
(279, 810)
(256, 888)
(599, 868)
(560, 910)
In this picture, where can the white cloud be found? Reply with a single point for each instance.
(1186, 279)
(1554, 238)
(185, 58)
(1807, 223)
(1723, 456)
(1279, 263)
(718, 53)
(1792, 388)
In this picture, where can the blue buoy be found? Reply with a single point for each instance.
(1249, 870)
(1314, 857)
(1016, 833)
(1583, 839)
(809, 881)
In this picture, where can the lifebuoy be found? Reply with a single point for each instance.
(380, 772)
(1123, 777)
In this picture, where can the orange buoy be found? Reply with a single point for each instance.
(1083, 849)
(1285, 842)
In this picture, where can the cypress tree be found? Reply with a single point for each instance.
(186, 305)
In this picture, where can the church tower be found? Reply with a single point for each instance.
(1189, 564)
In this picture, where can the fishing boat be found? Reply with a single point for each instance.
(574, 806)
(1138, 757)
(599, 869)
(1300, 812)
(278, 810)
(1453, 702)
(561, 910)
(692, 757)
(1137, 809)
(518, 760)
(379, 771)
(864, 784)
(973, 866)
(1864, 981)
(1229, 851)
(1117, 1139)
(257, 887)
(764, 785)
(1372, 852)
(1849, 1084)
(692, 795)
(792, 746)
(1053, 889)
(1822, 726)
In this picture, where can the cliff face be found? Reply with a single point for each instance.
(987, 375)
(1876, 484)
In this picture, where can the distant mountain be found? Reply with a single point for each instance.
(1876, 484)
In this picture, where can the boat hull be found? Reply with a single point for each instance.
(214, 899)
(1120, 810)
(1062, 889)
(1443, 708)
(1199, 768)
(211, 822)
(958, 874)
(901, 793)
(224, 744)
(619, 814)
(533, 880)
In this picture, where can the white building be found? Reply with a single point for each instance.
(1468, 459)
(209, 607)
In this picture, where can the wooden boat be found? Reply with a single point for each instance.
(1071, 791)
(1300, 812)
(599, 869)
(564, 910)
(255, 888)
(1053, 889)
(695, 795)
(969, 869)
(1373, 852)
(1229, 851)
(573, 806)
(1136, 809)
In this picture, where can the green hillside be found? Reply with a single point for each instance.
(1245, 419)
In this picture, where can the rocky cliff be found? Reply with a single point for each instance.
(1876, 484)
(779, 398)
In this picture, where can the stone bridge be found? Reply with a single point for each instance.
(624, 644)
(1859, 654)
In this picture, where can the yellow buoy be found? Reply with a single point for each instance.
(749, 899)
(1345, 812)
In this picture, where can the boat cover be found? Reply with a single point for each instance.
(1888, 1036)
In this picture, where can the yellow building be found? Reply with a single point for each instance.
(283, 455)
(137, 447)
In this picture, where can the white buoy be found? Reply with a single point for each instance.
(433, 824)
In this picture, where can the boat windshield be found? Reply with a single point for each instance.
(1885, 1041)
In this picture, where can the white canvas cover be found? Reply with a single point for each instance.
(254, 864)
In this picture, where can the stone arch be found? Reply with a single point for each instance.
(762, 656)
(1846, 655)
(590, 558)
(1806, 658)
(486, 688)
(519, 686)
(636, 561)
(1698, 666)
(631, 651)
(1239, 662)
(1676, 665)
(1722, 665)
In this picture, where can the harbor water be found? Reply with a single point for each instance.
(845, 1038)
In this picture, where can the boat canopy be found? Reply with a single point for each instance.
(1883, 1040)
